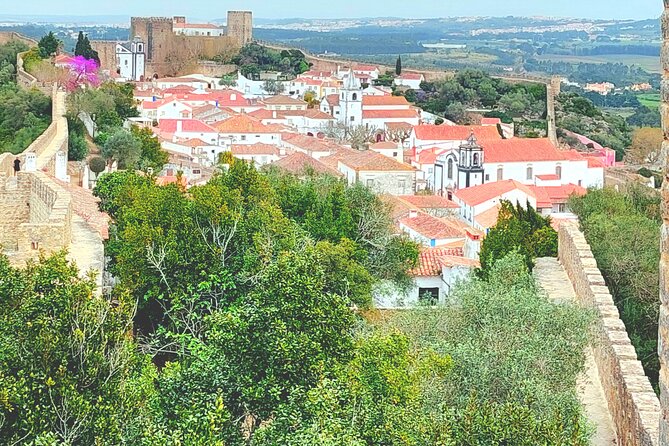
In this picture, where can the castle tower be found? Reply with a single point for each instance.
(156, 32)
(350, 101)
(240, 26)
(663, 344)
(470, 164)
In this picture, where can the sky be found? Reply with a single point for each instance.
(213, 9)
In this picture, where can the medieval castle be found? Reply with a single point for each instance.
(172, 46)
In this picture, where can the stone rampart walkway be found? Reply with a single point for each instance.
(552, 277)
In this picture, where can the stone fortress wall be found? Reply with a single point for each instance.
(633, 405)
(169, 54)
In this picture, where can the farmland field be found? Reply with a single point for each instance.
(650, 100)
(648, 63)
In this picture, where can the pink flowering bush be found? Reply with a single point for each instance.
(83, 72)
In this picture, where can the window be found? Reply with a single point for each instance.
(402, 184)
(487, 177)
(561, 207)
(196, 171)
(257, 136)
(558, 172)
(355, 96)
(243, 137)
(530, 173)
(429, 296)
(352, 118)
(475, 163)
(370, 183)
(394, 154)
(450, 169)
(500, 173)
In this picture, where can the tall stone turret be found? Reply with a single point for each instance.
(663, 345)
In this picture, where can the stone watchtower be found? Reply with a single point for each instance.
(240, 26)
(663, 345)
(156, 32)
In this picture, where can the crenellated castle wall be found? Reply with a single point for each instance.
(632, 402)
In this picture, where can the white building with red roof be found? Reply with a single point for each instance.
(380, 173)
(438, 271)
(311, 122)
(353, 108)
(259, 154)
(246, 130)
(183, 129)
(409, 80)
(169, 82)
(168, 108)
(479, 205)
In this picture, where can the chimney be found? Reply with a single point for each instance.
(180, 126)
(413, 213)
(233, 97)
(273, 114)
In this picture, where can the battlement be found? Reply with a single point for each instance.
(151, 19)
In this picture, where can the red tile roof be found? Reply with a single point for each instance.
(411, 76)
(179, 89)
(429, 156)
(299, 162)
(243, 124)
(488, 219)
(332, 99)
(188, 126)
(310, 143)
(473, 196)
(368, 160)
(490, 121)
(519, 150)
(560, 194)
(429, 261)
(371, 100)
(283, 100)
(385, 145)
(429, 201)
(431, 227)
(254, 149)
(390, 114)
(456, 132)
(365, 68)
(310, 113)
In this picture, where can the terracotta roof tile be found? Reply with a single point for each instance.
(299, 162)
(430, 261)
(473, 196)
(442, 132)
(187, 125)
(429, 201)
(520, 150)
(243, 124)
(488, 219)
(390, 114)
(254, 149)
(369, 100)
(283, 100)
(368, 160)
(431, 227)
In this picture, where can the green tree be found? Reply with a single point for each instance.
(518, 229)
(69, 372)
(152, 155)
(123, 148)
(83, 48)
(398, 66)
(49, 45)
(77, 147)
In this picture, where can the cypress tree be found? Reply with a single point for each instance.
(79, 49)
(398, 66)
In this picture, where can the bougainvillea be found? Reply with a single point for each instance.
(83, 72)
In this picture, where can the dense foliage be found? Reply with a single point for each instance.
(24, 115)
(520, 229)
(622, 229)
(578, 114)
(254, 59)
(83, 48)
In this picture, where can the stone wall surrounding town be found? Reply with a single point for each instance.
(36, 215)
(663, 344)
(632, 402)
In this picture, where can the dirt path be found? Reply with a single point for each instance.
(554, 280)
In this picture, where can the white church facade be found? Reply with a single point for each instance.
(130, 60)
